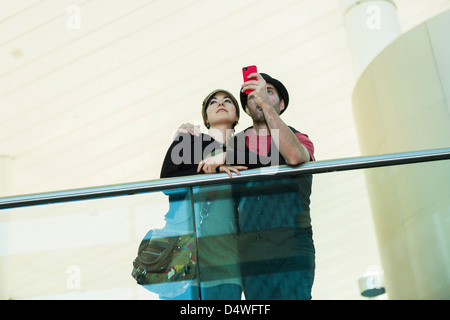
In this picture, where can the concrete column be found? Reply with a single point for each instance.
(401, 103)
(5, 189)
(371, 26)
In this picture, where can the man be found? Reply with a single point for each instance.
(268, 100)
(277, 254)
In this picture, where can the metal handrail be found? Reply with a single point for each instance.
(315, 167)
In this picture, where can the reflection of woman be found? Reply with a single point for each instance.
(215, 213)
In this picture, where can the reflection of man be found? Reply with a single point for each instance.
(276, 247)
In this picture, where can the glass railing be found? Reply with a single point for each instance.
(204, 236)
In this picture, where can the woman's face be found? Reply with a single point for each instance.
(221, 110)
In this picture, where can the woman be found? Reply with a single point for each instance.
(214, 210)
(220, 112)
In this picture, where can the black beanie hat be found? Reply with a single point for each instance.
(282, 91)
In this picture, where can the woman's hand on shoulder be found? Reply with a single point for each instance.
(187, 128)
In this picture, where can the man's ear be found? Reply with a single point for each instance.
(246, 110)
(282, 106)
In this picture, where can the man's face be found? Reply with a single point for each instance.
(255, 111)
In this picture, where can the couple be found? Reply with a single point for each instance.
(273, 256)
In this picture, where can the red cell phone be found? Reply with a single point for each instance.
(245, 72)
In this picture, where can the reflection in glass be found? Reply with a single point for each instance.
(166, 263)
(216, 222)
(276, 248)
(255, 236)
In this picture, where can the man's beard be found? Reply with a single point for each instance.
(257, 114)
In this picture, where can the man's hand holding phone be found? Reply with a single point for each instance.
(256, 87)
(249, 74)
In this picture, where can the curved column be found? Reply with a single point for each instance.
(401, 103)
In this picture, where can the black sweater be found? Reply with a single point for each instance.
(186, 152)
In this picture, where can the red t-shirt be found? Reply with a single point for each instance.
(261, 144)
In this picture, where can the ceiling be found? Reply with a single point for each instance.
(94, 101)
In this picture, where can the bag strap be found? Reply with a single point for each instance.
(164, 254)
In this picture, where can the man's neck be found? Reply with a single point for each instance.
(261, 129)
